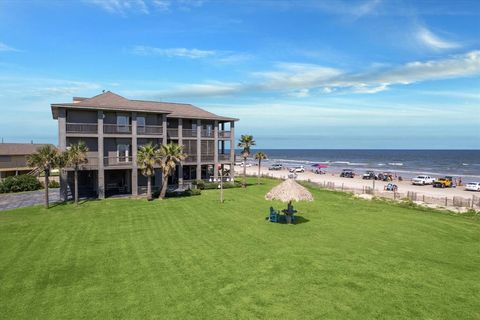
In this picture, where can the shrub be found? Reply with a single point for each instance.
(199, 183)
(53, 184)
(20, 183)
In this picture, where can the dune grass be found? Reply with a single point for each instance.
(196, 258)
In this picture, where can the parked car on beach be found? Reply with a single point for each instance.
(275, 166)
(445, 182)
(369, 175)
(347, 173)
(472, 186)
(423, 180)
(248, 165)
(297, 169)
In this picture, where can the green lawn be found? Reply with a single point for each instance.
(195, 258)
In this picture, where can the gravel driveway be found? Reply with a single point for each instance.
(26, 199)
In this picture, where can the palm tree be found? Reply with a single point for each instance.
(147, 156)
(245, 142)
(170, 155)
(260, 156)
(75, 156)
(45, 159)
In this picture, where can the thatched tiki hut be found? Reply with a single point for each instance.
(288, 191)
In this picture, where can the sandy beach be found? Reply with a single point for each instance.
(358, 183)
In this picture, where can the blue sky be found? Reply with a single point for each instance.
(299, 74)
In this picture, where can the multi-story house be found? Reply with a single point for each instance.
(13, 158)
(114, 127)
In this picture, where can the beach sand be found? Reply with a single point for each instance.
(358, 183)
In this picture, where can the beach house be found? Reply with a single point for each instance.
(13, 158)
(113, 129)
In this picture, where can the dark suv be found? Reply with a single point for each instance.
(347, 173)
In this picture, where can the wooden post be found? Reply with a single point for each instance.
(221, 184)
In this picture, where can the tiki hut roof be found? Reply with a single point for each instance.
(289, 190)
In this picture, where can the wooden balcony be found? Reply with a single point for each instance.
(172, 133)
(207, 133)
(224, 157)
(117, 161)
(191, 159)
(222, 134)
(82, 127)
(208, 158)
(117, 129)
(150, 130)
(189, 133)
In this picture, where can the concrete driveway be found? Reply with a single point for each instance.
(26, 199)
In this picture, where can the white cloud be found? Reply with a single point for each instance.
(300, 79)
(4, 47)
(347, 8)
(173, 52)
(121, 7)
(162, 5)
(301, 93)
(431, 40)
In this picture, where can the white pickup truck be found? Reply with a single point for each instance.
(423, 180)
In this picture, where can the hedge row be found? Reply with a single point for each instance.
(20, 183)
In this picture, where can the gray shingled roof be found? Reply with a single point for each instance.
(18, 149)
(111, 101)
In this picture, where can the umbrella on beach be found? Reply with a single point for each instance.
(289, 190)
(319, 166)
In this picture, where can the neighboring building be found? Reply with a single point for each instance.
(13, 158)
(114, 127)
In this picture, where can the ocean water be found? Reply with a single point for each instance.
(406, 163)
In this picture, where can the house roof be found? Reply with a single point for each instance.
(112, 101)
(18, 149)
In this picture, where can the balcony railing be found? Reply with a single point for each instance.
(150, 130)
(14, 163)
(207, 157)
(117, 161)
(172, 132)
(189, 133)
(117, 128)
(223, 157)
(82, 127)
(224, 134)
(207, 133)
(191, 159)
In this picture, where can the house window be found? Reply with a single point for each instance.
(123, 123)
(123, 152)
(141, 124)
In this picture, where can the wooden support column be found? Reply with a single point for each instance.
(101, 170)
(215, 151)
(134, 179)
(180, 142)
(199, 149)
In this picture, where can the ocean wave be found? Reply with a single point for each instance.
(395, 164)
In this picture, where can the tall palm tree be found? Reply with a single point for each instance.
(169, 155)
(260, 156)
(45, 159)
(75, 156)
(245, 142)
(147, 156)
